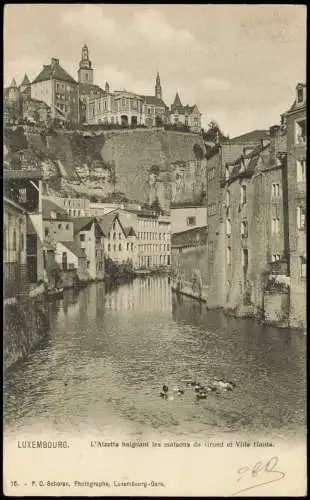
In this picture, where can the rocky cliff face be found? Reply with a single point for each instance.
(144, 164)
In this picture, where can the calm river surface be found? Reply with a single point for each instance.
(109, 352)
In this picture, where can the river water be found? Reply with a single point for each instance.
(109, 351)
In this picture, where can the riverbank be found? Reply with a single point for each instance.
(26, 324)
(244, 311)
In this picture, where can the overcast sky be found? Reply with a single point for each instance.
(239, 63)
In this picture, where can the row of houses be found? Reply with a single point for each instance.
(44, 243)
(249, 240)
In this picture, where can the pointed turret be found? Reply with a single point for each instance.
(177, 105)
(26, 80)
(158, 92)
(107, 87)
(25, 85)
(13, 84)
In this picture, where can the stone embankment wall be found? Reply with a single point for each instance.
(26, 324)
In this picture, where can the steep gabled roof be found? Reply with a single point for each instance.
(74, 248)
(53, 71)
(82, 223)
(253, 136)
(129, 231)
(106, 222)
(151, 99)
(87, 88)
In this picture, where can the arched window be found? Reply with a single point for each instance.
(64, 261)
(46, 231)
(132, 247)
(114, 236)
(127, 246)
(109, 247)
(114, 248)
(120, 247)
(119, 236)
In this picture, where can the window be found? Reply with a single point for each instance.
(82, 237)
(227, 173)
(211, 174)
(300, 132)
(276, 189)
(245, 258)
(109, 247)
(301, 217)
(131, 245)
(275, 225)
(228, 227)
(303, 267)
(67, 227)
(22, 195)
(244, 229)
(114, 236)
(46, 232)
(227, 198)
(228, 255)
(211, 209)
(88, 263)
(114, 226)
(168, 248)
(114, 248)
(300, 94)
(120, 247)
(191, 221)
(301, 170)
(211, 249)
(14, 240)
(64, 261)
(59, 226)
(127, 246)
(119, 236)
(243, 194)
(275, 257)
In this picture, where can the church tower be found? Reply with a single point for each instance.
(158, 92)
(85, 72)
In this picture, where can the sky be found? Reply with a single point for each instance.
(239, 63)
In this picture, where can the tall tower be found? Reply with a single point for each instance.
(85, 72)
(13, 92)
(158, 92)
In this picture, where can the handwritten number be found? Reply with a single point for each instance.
(254, 471)
(270, 465)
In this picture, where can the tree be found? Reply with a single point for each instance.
(198, 151)
(214, 133)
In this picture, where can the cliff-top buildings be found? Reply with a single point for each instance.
(73, 101)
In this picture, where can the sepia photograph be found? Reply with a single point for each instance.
(154, 250)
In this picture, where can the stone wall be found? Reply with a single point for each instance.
(26, 324)
(276, 308)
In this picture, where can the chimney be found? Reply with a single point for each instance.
(54, 61)
(274, 133)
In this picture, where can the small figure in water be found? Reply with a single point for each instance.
(178, 391)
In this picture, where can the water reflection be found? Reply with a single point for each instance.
(111, 348)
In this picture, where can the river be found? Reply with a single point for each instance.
(110, 350)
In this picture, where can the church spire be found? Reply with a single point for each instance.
(158, 91)
(85, 72)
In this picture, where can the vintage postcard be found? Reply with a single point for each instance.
(154, 250)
